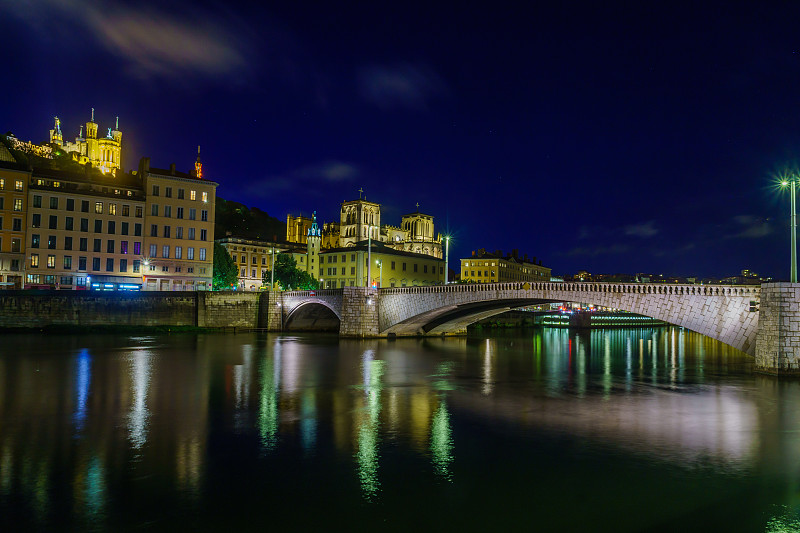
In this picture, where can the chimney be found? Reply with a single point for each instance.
(172, 169)
(144, 166)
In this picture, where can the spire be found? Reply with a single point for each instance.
(117, 127)
(92, 114)
(198, 166)
(57, 127)
(80, 133)
(314, 231)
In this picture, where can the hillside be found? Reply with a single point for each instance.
(247, 223)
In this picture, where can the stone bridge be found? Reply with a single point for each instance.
(763, 321)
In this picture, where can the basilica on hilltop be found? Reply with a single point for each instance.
(103, 153)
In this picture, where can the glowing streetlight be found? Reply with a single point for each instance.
(446, 258)
(380, 267)
(272, 271)
(791, 182)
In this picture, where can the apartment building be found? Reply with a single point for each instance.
(13, 190)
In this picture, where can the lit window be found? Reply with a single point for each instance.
(34, 260)
(112, 209)
(51, 261)
(98, 208)
(18, 185)
(17, 204)
(205, 197)
(192, 195)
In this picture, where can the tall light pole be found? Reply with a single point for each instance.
(791, 182)
(369, 255)
(446, 258)
(380, 274)
(272, 271)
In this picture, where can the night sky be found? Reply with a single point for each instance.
(641, 137)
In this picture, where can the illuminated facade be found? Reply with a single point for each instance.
(13, 211)
(254, 258)
(178, 251)
(103, 153)
(360, 220)
(485, 267)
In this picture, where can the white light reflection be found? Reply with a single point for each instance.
(488, 385)
(83, 378)
(367, 454)
(139, 362)
(442, 441)
(268, 412)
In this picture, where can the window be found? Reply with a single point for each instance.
(16, 224)
(205, 197)
(139, 211)
(97, 245)
(112, 209)
(84, 244)
(84, 206)
(136, 266)
(192, 195)
(179, 212)
(168, 192)
(35, 240)
(352, 271)
(190, 253)
(98, 208)
(425, 269)
(244, 271)
(155, 190)
(416, 267)
(254, 260)
(392, 265)
(2, 184)
(54, 202)
(34, 260)
(84, 224)
(51, 242)
(124, 229)
(37, 200)
(110, 246)
(166, 232)
(18, 185)
(168, 211)
(192, 213)
(178, 252)
(165, 251)
(68, 222)
(17, 204)
(36, 220)
(137, 230)
(153, 250)
(153, 230)
(202, 254)
(123, 247)
(51, 261)
(203, 234)
(137, 248)
(70, 204)
(67, 262)
(204, 215)
(154, 210)
(404, 267)
(53, 222)
(164, 269)
(252, 272)
(81, 263)
(110, 265)
(98, 226)
(179, 232)
(126, 210)
(112, 227)
(2, 203)
(191, 234)
(123, 265)
(180, 194)
(68, 243)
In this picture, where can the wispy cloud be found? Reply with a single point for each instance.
(750, 227)
(594, 251)
(306, 178)
(400, 86)
(646, 229)
(151, 42)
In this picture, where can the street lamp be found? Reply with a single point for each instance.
(380, 275)
(791, 182)
(446, 258)
(369, 254)
(272, 271)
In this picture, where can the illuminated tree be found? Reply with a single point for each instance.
(225, 273)
(288, 276)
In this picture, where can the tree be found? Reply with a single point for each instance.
(225, 273)
(288, 276)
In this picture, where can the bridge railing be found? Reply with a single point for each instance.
(308, 294)
(581, 286)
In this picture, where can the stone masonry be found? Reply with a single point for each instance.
(778, 339)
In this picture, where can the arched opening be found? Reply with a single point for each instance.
(312, 316)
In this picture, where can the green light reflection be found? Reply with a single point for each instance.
(442, 441)
(367, 454)
(268, 413)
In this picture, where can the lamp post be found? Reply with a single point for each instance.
(380, 274)
(446, 258)
(369, 255)
(272, 271)
(791, 182)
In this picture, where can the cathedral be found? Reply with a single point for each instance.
(360, 220)
(103, 153)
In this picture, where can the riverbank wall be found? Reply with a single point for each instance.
(35, 309)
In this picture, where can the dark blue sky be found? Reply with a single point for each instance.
(629, 138)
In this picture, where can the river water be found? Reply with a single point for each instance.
(547, 429)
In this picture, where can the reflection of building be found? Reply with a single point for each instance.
(103, 153)
(13, 190)
(484, 267)
(360, 220)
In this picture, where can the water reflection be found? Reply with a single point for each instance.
(171, 416)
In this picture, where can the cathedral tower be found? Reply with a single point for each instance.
(55, 133)
(313, 244)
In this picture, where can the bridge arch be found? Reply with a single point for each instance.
(312, 315)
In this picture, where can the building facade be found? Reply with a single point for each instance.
(484, 267)
(13, 214)
(178, 252)
(255, 258)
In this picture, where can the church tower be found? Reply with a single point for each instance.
(313, 244)
(117, 135)
(91, 128)
(55, 133)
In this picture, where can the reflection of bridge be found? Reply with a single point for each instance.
(733, 314)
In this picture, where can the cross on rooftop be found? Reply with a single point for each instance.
(360, 190)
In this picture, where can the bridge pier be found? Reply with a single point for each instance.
(359, 312)
(778, 337)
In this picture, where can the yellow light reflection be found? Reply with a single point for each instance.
(367, 454)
